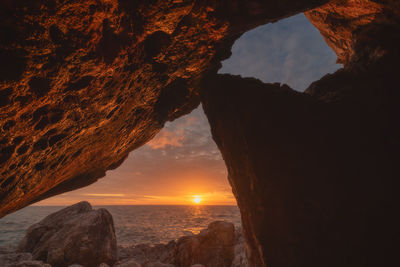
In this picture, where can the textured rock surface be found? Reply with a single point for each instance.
(13, 258)
(213, 247)
(144, 253)
(76, 234)
(240, 257)
(342, 22)
(85, 82)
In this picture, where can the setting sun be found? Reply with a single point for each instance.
(197, 200)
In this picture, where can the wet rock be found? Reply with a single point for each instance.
(9, 257)
(212, 247)
(76, 234)
(240, 258)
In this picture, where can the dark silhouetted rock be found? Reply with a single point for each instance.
(314, 173)
(76, 234)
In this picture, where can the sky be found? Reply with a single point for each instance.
(182, 162)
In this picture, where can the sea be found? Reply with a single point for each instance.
(134, 225)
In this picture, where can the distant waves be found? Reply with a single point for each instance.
(133, 224)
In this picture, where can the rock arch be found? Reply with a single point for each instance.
(80, 89)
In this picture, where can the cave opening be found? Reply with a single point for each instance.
(291, 51)
(182, 165)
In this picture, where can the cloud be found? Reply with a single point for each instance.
(103, 195)
(167, 138)
(290, 51)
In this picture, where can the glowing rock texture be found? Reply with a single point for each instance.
(82, 83)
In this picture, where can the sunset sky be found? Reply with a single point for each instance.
(183, 163)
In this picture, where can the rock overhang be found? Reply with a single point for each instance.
(84, 83)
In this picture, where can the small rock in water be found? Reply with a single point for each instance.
(76, 234)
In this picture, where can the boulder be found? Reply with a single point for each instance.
(214, 246)
(240, 258)
(76, 234)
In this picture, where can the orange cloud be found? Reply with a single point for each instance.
(167, 138)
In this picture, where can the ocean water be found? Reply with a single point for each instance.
(133, 224)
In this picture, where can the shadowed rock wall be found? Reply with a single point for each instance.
(315, 173)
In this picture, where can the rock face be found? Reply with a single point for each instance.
(76, 234)
(213, 247)
(82, 83)
(313, 173)
(342, 23)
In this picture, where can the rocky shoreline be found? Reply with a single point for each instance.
(81, 236)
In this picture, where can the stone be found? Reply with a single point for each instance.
(128, 263)
(144, 253)
(13, 258)
(76, 234)
(240, 258)
(212, 247)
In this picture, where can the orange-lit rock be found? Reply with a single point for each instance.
(340, 22)
(82, 83)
